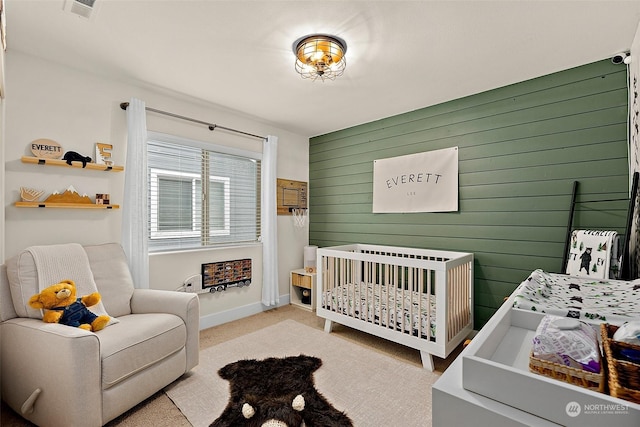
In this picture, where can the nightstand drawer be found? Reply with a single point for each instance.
(301, 280)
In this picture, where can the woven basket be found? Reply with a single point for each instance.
(567, 374)
(623, 375)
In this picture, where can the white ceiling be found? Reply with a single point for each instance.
(402, 55)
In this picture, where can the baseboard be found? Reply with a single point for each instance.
(226, 316)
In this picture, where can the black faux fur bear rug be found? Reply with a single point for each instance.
(277, 392)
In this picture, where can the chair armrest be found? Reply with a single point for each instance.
(182, 304)
(57, 359)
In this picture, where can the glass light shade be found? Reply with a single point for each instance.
(320, 57)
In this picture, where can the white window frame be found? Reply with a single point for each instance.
(155, 233)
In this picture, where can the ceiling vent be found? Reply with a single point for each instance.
(83, 8)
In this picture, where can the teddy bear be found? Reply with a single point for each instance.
(61, 305)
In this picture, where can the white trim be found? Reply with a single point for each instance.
(215, 319)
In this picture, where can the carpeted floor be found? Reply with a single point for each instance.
(373, 388)
(159, 410)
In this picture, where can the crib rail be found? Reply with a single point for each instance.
(459, 306)
(378, 293)
(415, 292)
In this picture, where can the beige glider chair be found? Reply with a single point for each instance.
(57, 375)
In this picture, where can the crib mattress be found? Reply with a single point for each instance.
(591, 300)
(369, 302)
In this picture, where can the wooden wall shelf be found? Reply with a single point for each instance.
(74, 164)
(64, 205)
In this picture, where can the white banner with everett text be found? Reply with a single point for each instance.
(422, 182)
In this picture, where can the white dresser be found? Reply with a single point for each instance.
(489, 383)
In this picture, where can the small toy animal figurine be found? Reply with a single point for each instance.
(71, 156)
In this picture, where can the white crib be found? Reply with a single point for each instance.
(430, 294)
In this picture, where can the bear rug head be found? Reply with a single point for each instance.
(277, 392)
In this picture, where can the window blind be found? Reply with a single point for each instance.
(199, 197)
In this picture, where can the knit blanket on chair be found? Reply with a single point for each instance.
(55, 263)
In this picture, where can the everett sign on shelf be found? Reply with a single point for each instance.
(422, 182)
(46, 148)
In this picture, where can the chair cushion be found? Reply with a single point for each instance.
(137, 342)
(112, 276)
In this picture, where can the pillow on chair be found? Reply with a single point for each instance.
(38, 267)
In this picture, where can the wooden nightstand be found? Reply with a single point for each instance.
(301, 289)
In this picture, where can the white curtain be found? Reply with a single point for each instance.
(134, 212)
(269, 224)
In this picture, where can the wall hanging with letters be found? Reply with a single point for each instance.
(422, 182)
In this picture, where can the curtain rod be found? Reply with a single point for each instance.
(212, 127)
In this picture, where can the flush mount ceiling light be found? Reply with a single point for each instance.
(320, 56)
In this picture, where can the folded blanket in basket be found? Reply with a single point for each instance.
(593, 253)
(567, 342)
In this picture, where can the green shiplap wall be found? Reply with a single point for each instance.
(520, 149)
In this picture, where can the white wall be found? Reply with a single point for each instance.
(634, 73)
(2, 127)
(2, 121)
(77, 109)
(634, 146)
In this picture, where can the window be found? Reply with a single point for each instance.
(200, 196)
